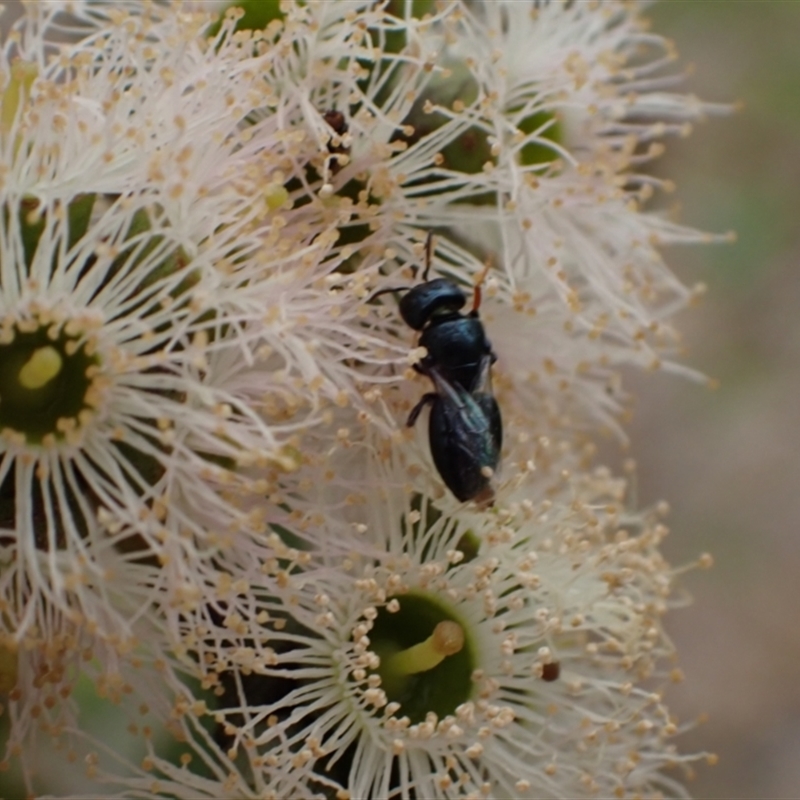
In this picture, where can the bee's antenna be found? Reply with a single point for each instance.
(428, 259)
(476, 297)
(388, 291)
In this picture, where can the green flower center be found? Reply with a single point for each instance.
(46, 381)
(427, 657)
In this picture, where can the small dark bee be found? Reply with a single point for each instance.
(465, 428)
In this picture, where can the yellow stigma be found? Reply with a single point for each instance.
(447, 639)
(41, 368)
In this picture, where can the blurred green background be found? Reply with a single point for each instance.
(729, 460)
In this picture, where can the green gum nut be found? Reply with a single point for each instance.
(455, 88)
(533, 153)
(427, 656)
(396, 40)
(471, 151)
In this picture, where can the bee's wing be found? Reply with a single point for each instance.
(464, 437)
(454, 395)
(483, 377)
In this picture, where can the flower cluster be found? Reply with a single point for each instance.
(210, 504)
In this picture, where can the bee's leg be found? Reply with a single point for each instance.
(423, 366)
(425, 400)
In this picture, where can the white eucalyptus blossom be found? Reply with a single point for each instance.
(111, 313)
(165, 329)
(528, 147)
(208, 492)
(164, 326)
(513, 654)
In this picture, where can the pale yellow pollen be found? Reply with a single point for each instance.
(43, 365)
(416, 355)
(448, 638)
(276, 196)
